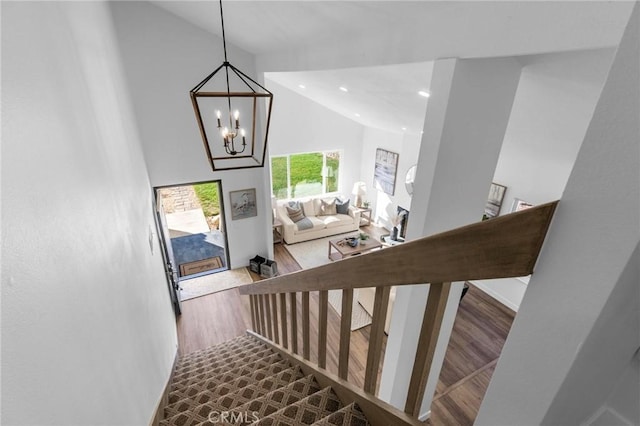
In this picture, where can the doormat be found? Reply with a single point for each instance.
(191, 268)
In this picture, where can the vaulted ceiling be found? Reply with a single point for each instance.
(381, 51)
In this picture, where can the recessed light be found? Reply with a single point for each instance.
(424, 93)
(302, 86)
(344, 89)
(356, 114)
(404, 128)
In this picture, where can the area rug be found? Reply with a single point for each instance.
(214, 283)
(359, 317)
(310, 254)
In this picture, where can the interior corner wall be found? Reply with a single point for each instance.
(88, 331)
(610, 346)
(556, 97)
(164, 57)
(594, 232)
(299, 125)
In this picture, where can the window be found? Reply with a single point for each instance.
(300, 175)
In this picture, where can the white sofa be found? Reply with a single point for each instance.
(323, 225)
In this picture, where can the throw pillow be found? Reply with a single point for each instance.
(342, 206)
(295, 205)
(296, 215)
(327, 208)
(308, 207)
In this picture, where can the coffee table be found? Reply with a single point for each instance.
(345, 250)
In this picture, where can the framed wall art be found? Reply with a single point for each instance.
(494, 200)
(385, 171)
(243, 203)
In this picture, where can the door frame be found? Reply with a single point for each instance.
(223, 221)
(167, 260)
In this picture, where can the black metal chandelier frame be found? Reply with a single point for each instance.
(231, 135)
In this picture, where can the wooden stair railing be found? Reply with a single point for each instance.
(507, 246)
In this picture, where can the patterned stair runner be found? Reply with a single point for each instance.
(243, 382)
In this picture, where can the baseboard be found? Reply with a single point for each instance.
(495, 295)
(158, 415)
(424, 416)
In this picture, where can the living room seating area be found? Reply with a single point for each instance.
(316, 217)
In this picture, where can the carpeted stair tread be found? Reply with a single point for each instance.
(190, 361)
(351, 415)
(242, 382)
(231, 364)
(280, 398)
(269, 403)
(216, 349)
(208, 381)
(230, 345)
(212, 363)
(239, 391)
(306, 411)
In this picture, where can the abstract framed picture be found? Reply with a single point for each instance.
(243, 204)
(385, 171)
(494, 200)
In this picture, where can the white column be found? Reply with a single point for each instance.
(464, 127)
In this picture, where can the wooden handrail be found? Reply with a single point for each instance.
(507, 246)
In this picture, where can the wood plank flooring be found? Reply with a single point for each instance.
(481, 327)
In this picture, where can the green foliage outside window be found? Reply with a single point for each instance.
(333, 164)
(208, 195)
(306, 174)
(279, 177)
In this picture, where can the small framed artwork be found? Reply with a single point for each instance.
(243, 204)
(494, 201)
(519, 205)
(384, 173)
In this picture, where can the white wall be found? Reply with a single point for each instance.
(88, 332)
(301, 125)
(550, 352)
(556, 97)
(555, 101)
(611, 346)
(165, 57)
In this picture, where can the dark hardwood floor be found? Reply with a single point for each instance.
(480, 330)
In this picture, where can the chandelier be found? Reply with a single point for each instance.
(230, 109)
